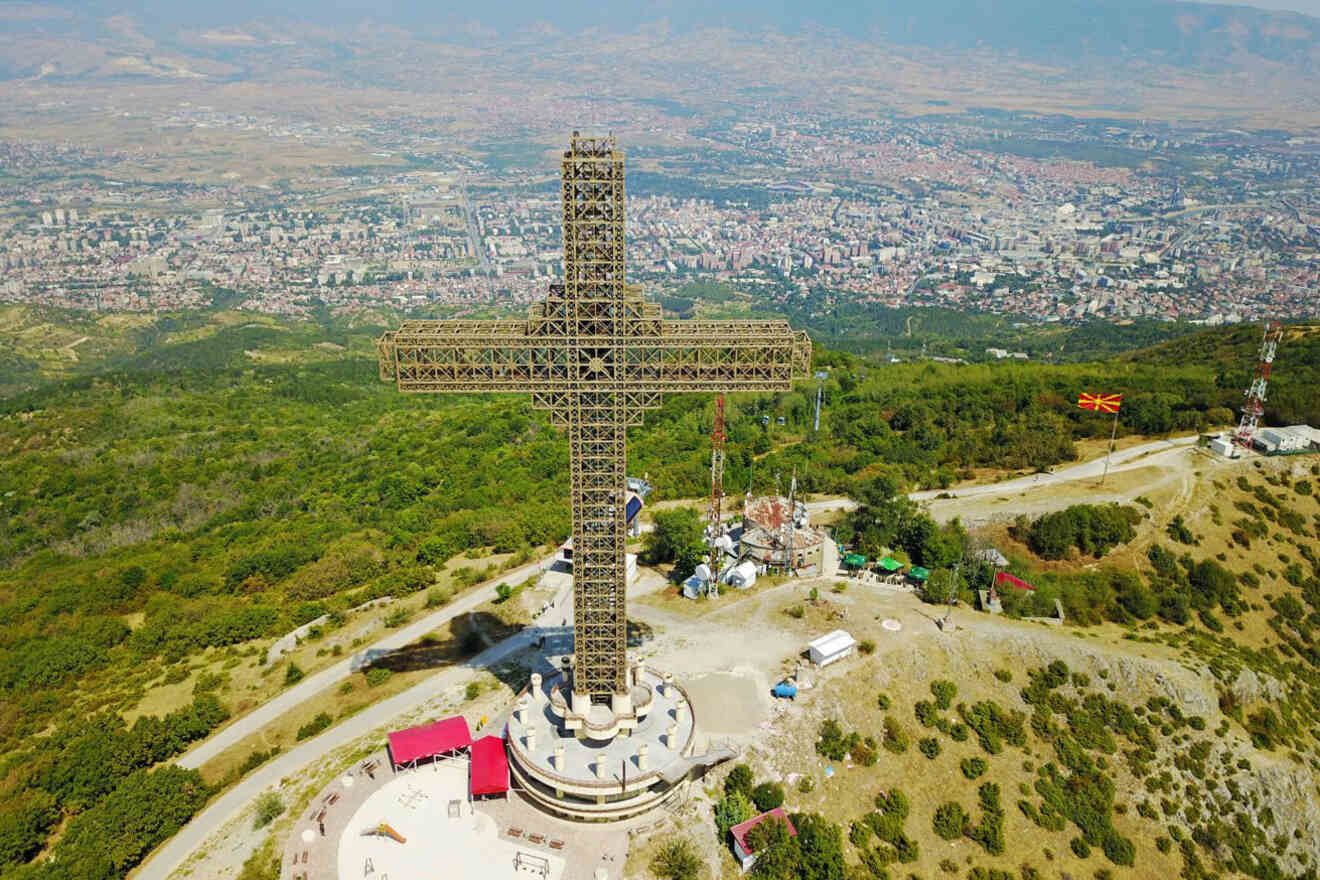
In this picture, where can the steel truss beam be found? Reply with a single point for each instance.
(595, 355)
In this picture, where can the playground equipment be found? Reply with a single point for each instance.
(384, 830)
(785, 690)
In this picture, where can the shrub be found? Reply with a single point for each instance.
(473, 690)
(1004, 675)
(1080, 847)
(866, 646)
(944, 691)
(832, 743)
(930, 747)
(767, 796)
(896, 739)
(293, 674)
(795, 611)
(882, 702)
(377, 675)
(806, 785)
(315, 726)
(973, 767)
(926, 713)
(269, 806)
(676, 860)
(740, 779)
(864, 753)
(960, 732)
(729, 811)
(950, 819)
(397, 618)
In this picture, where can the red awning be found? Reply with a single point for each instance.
(1003, 577)
(490, 767)
(429, 740)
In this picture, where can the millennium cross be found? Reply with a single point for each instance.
(595, 354)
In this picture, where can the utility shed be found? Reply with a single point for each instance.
(830, 647)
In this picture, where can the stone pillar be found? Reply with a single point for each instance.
(680, 711)
(534, 689)
(559, 759)
(669, 682)
(642, 749)
(671, 736)
(602, 768)
(531, 739)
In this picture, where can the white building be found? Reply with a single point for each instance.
(1295, 438)
(830, 647)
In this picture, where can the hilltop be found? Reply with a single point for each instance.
(199, 485)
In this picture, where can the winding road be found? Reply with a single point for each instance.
(179, 848)
(309, 687)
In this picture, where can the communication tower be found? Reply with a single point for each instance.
(713, 515)
(1254, 408)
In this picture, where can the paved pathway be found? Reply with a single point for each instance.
(312, 685)
(174, 852)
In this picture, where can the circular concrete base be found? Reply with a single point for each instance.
(569, 774)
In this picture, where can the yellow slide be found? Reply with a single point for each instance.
(383, 830)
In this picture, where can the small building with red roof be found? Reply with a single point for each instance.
(742, 851)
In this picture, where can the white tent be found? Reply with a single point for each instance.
(742, 575)
(830, 647)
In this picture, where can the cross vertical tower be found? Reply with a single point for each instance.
(595, 355)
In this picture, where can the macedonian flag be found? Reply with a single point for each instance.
(1105, 403)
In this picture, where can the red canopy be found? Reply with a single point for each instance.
(1003, 577)
(490, 767)
(429, 740)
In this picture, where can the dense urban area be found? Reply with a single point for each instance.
(1049, 218)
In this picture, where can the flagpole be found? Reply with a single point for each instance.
(1109, 452)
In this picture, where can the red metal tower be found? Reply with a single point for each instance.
(713, 514)
(1255, 405)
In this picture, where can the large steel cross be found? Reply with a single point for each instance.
(595, 355)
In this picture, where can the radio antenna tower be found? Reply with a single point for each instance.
(714, 513)
(1254, 408)
(789, 566)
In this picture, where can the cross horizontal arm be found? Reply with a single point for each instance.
(657, 356)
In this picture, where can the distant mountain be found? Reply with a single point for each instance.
(1198, 35)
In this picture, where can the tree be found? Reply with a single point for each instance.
(767, 796)
(820, 843)
(677, 538)
(732, 809)
(778, 853)
(740, 779)
(676, 860)
(24, 824)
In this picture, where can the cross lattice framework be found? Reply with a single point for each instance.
(595, 354)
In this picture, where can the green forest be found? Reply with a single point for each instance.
(214, 483)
